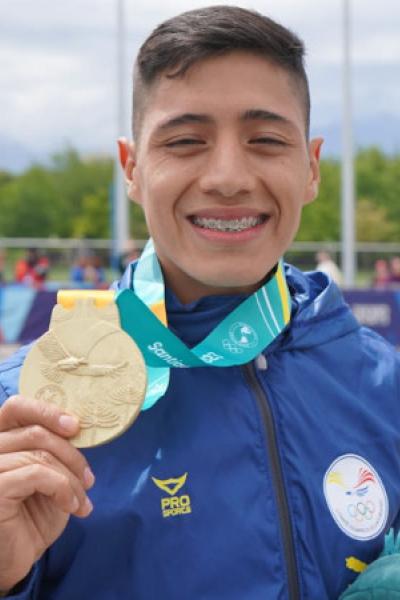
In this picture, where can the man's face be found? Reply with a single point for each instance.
(222, 170)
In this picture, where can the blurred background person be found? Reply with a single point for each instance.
(381, 276)
(327, 265)
(32, 269)
(97, 272)
(395, 271)
(87, 271)
(130, 254)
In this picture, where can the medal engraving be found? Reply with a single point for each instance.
(89, 367)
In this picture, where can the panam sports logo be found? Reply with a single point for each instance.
(243, 335)
(356, 497)
(173, 505)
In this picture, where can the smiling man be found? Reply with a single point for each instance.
(265, 462)
(222, 167)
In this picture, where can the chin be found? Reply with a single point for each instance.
(239, 282)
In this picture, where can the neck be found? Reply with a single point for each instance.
(188, 290)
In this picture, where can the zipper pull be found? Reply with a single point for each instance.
(261, 362)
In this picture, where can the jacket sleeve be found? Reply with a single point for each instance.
(9, 373)
(28, 589)
(3, 395)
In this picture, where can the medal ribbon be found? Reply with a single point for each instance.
(237, 340)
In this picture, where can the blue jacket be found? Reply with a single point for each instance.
(281, 470)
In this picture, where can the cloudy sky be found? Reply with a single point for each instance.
(58, 68)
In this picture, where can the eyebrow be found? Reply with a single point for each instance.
(259, 114)
(253, 114)
(185, 119)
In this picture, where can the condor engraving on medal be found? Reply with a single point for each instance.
(88, 366)
(63, 363)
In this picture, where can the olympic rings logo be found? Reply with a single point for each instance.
(362, 511)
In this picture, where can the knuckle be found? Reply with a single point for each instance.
(11, 403)
(43, 457)
(64, 483)
(36, 470)
(36, 435)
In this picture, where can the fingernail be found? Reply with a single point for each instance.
(74, 504)
(88, 506)
(88, 477)
(68, 422)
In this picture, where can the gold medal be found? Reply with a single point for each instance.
(88, 366)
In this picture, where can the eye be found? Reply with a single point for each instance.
(267, 141)
(184, 142)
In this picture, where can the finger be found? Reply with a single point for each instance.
(36, 437)
(20, 484)
(16, 460)
(19, 411)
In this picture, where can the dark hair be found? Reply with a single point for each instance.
(178, 43)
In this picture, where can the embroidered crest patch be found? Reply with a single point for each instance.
(356, 497)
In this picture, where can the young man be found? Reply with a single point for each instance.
(258, 479)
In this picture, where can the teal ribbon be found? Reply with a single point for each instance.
(237, 340)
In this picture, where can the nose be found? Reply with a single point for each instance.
(227, 171)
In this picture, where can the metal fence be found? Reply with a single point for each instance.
(63, 252)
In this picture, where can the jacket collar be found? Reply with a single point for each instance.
(319, 312)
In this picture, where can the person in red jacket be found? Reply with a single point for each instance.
(33, 269)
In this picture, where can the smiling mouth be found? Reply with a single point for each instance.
(228, 225)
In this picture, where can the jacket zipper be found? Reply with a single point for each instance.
(277, 480)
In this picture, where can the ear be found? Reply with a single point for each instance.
(314, 178)
(127, 157)
(123, 150)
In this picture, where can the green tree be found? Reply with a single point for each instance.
(27, 204)
(93, 220)
(50, 201)
(372, 222)
(76, 179)
(378, 180)
(321, 218)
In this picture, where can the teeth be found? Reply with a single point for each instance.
(228, 224)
